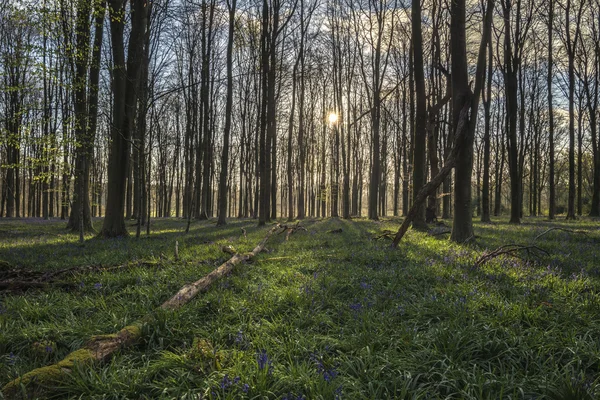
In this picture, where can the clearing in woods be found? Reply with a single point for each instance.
(326, 314)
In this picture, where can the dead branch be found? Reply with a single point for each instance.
(292, 229)
(21, 286)
(560, 229)
(437, 232)
(23, 279)
(508, 249)
(335, 231)
(101, 347)
(244, 232)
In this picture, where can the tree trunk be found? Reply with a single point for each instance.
(228, 107)
(125, 84)
(420, 132)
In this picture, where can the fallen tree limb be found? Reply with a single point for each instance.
(25, 279)
(292, 229)
(21, 286)
(507, 249)
(436, 181)
(438, 232)
(48, 276)
(100, 347)
(559, 229)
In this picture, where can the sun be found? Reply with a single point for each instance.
(333, 117)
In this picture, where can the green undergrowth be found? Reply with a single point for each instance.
(321, 316)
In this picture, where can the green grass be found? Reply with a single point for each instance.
(322, 315)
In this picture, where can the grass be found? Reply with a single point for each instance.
(320, 316)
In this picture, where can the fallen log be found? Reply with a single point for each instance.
(101, 347)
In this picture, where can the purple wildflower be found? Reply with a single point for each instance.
(239, 337)
(263, 361)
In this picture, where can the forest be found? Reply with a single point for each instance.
(295, 109)
(299, 199)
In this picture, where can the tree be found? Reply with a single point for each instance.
(462, 97)
(550, 77)
(226, 133)
(85, 105)
(420, 127)
(125, 85)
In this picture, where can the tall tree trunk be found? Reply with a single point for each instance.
(420, 132)
(510, 78)
(125, 84)
(485, 197)
(462, 227)
(550, 76)
(86, 110)
(228, 106)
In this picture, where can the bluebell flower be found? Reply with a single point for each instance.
(338, 393)
(239, 337)
(245, 388)
(12, 358)
(98, 286)
(263, 361)
(225, 382)
(329, 375)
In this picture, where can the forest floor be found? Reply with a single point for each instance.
(322, 315)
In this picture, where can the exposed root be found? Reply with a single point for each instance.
(509, 249)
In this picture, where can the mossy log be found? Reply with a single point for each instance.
(101, 347)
